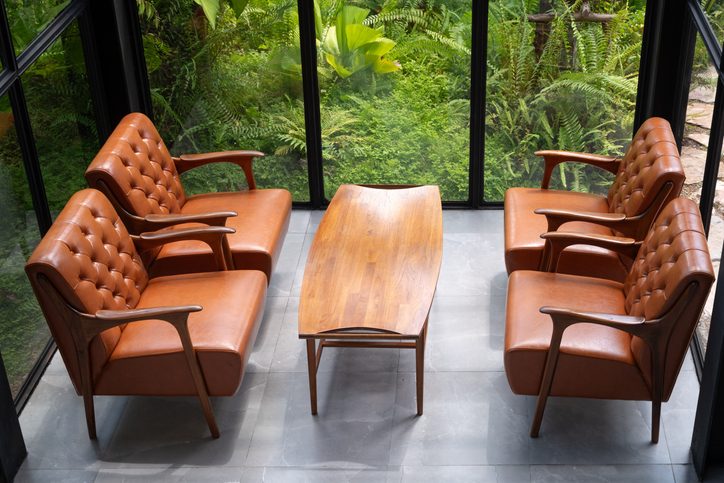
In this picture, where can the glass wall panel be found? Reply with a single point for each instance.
(716, 243)
(714, 10)
(229, 80)
(395, 93)
(557, 80)
(699, 113)
(61, 113)
(23, 332)
(28, 18)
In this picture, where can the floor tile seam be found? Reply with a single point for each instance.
(276, 343)
(256, 421)
(301, 250)
(394, 410)
(665, 434)
(309, 218)
(276, 339)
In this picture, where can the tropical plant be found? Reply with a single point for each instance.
(211, 8)
(579, 93)
(350, 47)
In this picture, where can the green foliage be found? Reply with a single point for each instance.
(351, 47)
(29, 18)
(211, 8)
(63, 123)
(579, 95)
(238, 85)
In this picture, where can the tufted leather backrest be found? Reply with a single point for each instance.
(673, 256)
(136, 167)
(651, 161)
(90, 260)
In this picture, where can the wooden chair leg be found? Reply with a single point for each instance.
(199, 381)
(658, 362)
(655, 421)
(86, 383)
(547, 382)
(90, 415)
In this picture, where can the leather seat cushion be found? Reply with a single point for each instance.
(595, 361)
(524, 246)
(149, 359)
(261, 225)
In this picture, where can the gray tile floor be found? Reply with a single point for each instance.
(473, 429)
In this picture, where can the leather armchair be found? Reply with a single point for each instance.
(578, 336)
(121, 332)
(648, 176)
(135, 170)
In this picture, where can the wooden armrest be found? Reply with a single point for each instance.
(214, 218)
(94, 324)
(555, 218)
(594, 317)
(557, 241)
(214, 236)
(134, 315)
(567, 317)
(553, 158)
(243, 159)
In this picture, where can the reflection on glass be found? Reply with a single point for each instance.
(28, 18)
(61, 113)
(556, 81)
(23, 332)
(226, 82)
(699, 113)
(395, 93)
(716, 243)
(714, 10)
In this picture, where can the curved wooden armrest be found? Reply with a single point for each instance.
(557, 241)
(213, 218)
(94, 324)
(243, 159)
(553, 158)
(214, 236)
(564, 318)
(168, 236)
(133, 315)
(555, 218)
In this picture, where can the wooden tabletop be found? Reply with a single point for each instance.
(374, 262)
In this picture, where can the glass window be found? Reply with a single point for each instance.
(23, 332)
(695, 143)
(28, 18)
(394, 83)
(714, 10)
(555, 81)
(61, 113)
(226, 82)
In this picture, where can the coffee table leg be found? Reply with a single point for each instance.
(312, 368)
(420, 367)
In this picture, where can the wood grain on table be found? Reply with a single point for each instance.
(374, 262)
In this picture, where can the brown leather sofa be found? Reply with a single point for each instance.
(121, 332)
(647, 177)
(137, 173)
(577, 336)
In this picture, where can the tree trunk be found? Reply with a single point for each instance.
(542, 29)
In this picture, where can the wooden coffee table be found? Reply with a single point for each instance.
(371, 274)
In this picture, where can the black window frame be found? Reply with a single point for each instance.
(12, 447)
